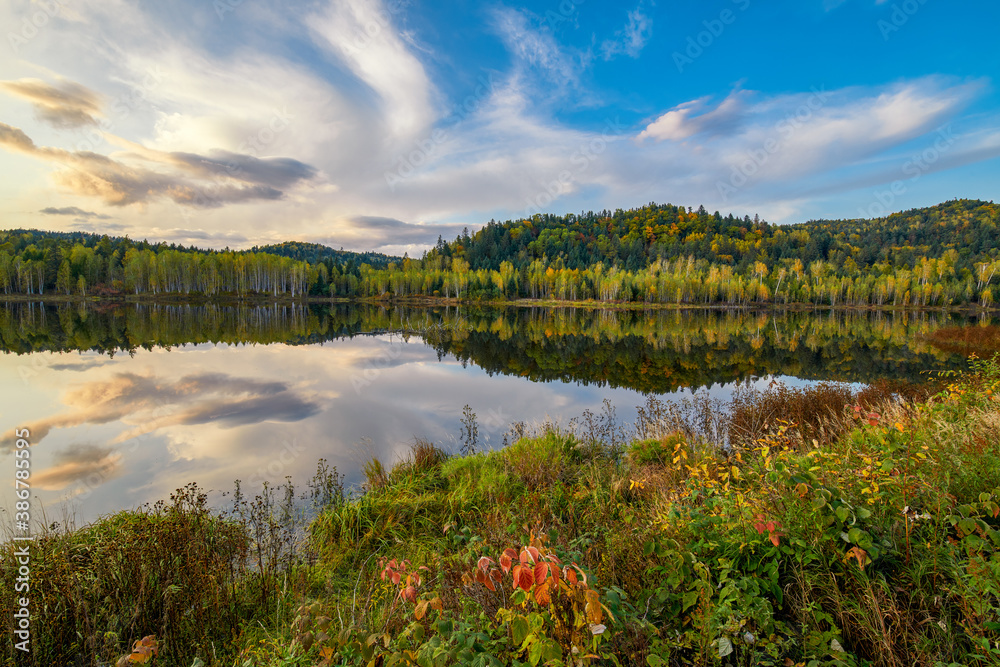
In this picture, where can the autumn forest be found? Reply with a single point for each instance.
(945, 255)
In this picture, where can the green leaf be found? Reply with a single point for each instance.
(689, 599)
(854, 535)
(519, 629)
(843, 513)
(818, 502)
(863, 513)
(551, 650)
(654, 661)
(535, 653)
(725, 646)
(445, 627)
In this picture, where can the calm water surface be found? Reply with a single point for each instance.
(126, 404)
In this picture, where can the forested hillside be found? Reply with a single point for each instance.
(634, 239)
(944, 255)
(315, 252)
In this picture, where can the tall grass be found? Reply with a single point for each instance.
(193, 576)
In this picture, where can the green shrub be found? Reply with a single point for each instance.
(541, 462)
(658, 451)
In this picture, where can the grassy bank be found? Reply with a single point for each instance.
(835, 528)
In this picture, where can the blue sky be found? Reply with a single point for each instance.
(379, 124)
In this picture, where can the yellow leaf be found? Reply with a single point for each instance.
(594, 613)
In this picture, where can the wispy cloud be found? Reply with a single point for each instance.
(192, 180)
(362, 34)
(632, 38)
(789, 143)
(66, 105)
(535, 47)
(74, 211)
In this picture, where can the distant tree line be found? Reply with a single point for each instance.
(36, 262)
(939, 256)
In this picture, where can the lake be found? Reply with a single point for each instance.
(128, 402)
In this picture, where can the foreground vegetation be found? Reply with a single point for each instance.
(830, 528)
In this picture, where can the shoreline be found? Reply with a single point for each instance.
(436, 302)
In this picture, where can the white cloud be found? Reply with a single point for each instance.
(685, 121)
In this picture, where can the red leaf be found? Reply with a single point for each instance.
(506, 558)
(540, 572)
(542, 594)
(484, 563)
(535, 556)
(525, 578)
(570, 575)
(774, 539)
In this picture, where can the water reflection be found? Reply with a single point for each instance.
(649, 351)
(126, 404)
